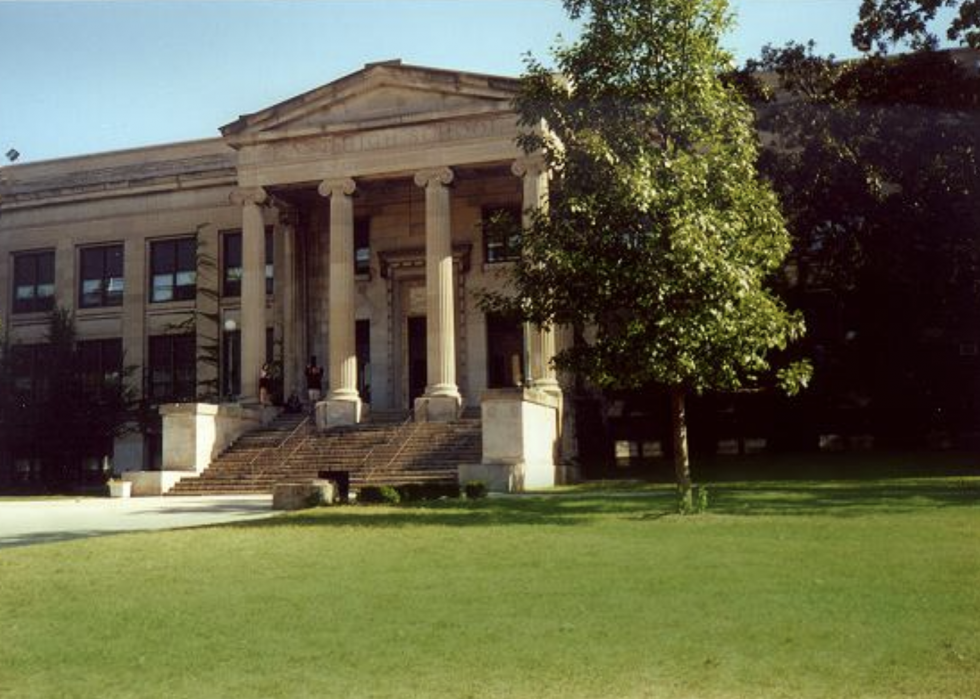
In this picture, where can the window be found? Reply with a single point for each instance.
(173, 266)
(172, 368)
(362, 245)
(33, 282)
(501, 233)
(231, 284)
(100, 364)
(101, 276)
(362, 345)
(231, 363)
(29, 372)
(505, 351)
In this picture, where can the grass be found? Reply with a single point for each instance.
(795, 589)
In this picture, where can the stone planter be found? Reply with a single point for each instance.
(120, 489)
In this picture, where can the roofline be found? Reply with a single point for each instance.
(111, 153)
(241, 123)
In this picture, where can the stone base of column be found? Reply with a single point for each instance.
(438, 408)
(336, 412)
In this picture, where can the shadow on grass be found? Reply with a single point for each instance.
(781, 499)
(553, 510)
(843, 498)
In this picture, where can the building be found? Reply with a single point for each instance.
(344, 223)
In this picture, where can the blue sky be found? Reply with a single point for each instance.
(83, 77)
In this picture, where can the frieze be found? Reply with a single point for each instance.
(380, 139)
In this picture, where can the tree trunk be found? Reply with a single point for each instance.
(682, 464)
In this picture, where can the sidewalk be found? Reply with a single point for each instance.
(25, 522)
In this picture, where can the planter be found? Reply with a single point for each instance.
(120, 489)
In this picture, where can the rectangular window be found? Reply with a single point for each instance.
(173, 265)
(231, 262)
(501, 233)
(362, 245)
(33, 282)
(101, 278)
(231, 363)
(29, 372)
(100, 363)
(172, 368)
(362, 347)
(269, 262)
(505, 351)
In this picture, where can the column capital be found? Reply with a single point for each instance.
(248, 195)
(337, 186)
(531, 165)
(436, 175)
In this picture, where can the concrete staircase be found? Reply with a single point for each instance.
(387, 450)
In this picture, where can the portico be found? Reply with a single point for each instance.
(375, 186)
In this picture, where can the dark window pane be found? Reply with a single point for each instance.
(232, 264)
(362, 245)
(162, 257)
(501, 233)
(33, 282)
(269, 261)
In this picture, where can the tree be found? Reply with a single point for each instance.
(660, 236)
(876, 165)
(69, 416)
(886, 22)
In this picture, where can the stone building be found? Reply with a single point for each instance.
(343, 223)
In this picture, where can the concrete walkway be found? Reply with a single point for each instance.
(25, 522)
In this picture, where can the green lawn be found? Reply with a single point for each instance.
(786, 589)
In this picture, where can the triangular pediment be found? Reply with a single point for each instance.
(380, 94)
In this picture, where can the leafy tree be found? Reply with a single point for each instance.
(876, 164)
(886, 22)
(660, 237)
(69, 420)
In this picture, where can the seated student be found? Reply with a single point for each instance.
(293, 404)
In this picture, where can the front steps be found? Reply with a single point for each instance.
(386, 450)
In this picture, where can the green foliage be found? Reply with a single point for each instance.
(475, 490)
(378, 495)
(876, 166)
(415, 492)
(72, 419)
(884, 23)
(660, 235)
(692, 501)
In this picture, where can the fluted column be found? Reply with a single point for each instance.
(286, 300)
(442, 399)
(251, 200)
(533, 172)
(343, 402)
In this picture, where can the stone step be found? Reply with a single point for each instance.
(385, 451)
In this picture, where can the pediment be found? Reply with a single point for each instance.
(378, 95)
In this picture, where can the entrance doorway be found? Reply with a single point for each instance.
(417, 359)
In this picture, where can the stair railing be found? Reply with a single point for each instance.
(250, 467)
(368, 472)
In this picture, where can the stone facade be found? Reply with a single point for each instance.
(368, 192)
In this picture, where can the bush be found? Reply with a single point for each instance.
(475, 490)
(415, 492)
(694, 502)
(379, 494)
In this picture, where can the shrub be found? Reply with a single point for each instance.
(475, 490)
(379, 494)
(694, 502)
(414, 492)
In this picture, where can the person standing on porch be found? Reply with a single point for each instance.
(314, 382)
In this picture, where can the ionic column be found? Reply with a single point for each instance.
(343, 404)
(533, 172)
(251, 200)
(441, 401)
